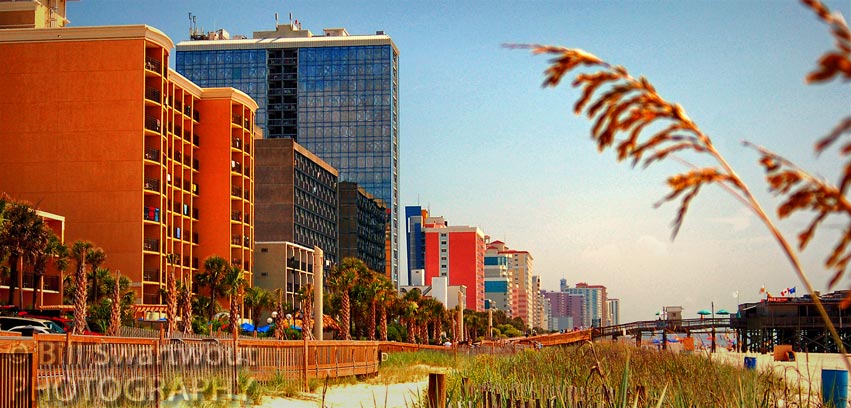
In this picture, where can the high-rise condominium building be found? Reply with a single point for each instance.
(458, 254)
(595, 310)
(362, 222)
(415, 238)
(296, 198)
(139, 160)
(499, 284)
(520, 270)
(336, 94)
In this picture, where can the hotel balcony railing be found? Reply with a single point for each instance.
(236, 191)
(236, 239)
(196, 116)
(187, 110)
(246, 123)
(246, 241)
(153, 65)
(153, 94)
(151, 274)
(236, 119)
(152, 154)
(151, 213)
(236, 142)
(152, 184)
(236, 262)
(247, 173)
(151, 244)
(236, 216)
(236, 166)
(151, 298)
(153, 124)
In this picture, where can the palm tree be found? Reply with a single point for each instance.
(257, 300)
(410, 311)
(97, 286)
(185, 304)
(385, 297)
(95, 258)
(55, 250)
(343, 278)
(23, 232)
(79, 251)
(216, 269)
(366, 290)
(434, 312)
(234, 287)
(171, 296)
(280, 308)
(115, 308)
(305, 295)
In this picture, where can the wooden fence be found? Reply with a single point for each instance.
(18, 364)
(100, 371)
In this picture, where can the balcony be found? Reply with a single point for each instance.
(178, 131)
(151, 298)
(151, 274)
(151, 244)
(153, 124)
(195, 216)
(187, 110)
(236, 166)
(187, 185)
(236, 262)
(195, 241)
(195, 164)
(194, 189)
(196, 140)
(236, 142)
(152, 184)
(151, 214)
(178, 106)
(153, 94)
(152, 155)
(153, 65)
(236, 191)
(196, 116)
(236, 216)
(236, 119)
(236, 239)
(246, 241)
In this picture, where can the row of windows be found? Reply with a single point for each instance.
(343, 100)
(357, 53)
(380, 129)
(331, 116)
(309, 238)
(229, 57)
(332, 69)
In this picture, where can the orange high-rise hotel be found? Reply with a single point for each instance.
(96, 128)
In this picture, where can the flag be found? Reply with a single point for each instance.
(762, 289)
(784, 292)
(792, 290)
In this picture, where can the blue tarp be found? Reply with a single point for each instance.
(247, 327)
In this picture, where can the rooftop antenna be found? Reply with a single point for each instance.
(276, 19)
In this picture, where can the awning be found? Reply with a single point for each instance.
(149, 308)
(69, 308)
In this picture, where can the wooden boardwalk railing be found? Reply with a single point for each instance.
(18, 361)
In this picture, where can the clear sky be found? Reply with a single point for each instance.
(483, 144)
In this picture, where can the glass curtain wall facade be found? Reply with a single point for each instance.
(338, 101)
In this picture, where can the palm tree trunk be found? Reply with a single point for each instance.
(371, 325)
(345, 311)
(80, 300)
(409, 322)
(171, 303)
(382, 328)
(306, 313)
(13, 277)
(212, 303)
(186, 314)
(38, 275)
(115, 316)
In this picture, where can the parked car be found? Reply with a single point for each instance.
(8, 322)
(28, 331)
(66, 324)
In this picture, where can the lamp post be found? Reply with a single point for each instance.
(713, 327)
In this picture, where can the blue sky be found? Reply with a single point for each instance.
(483, 144)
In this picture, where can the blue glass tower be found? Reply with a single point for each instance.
(415, 238)
(337, 95)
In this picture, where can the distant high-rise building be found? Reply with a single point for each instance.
(499, 284)
(614, 309)
(156, 170)
(567, 309)
(457, 253)
(415, 250)
(296, 198)
(363, 220)
(336, 94)
(595, 313)
(520, 269)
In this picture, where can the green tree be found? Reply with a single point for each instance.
(56, 251)
(23, 232)
(343, 278)
(215, 272)
(95, 258)
(257, 300)
(385, 298)
(234, 288)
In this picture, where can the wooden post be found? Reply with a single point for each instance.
(304, 336)
(235, 377)
(436, 390)
(318, 283)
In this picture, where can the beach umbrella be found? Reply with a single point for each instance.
(264, 329)
(248, 327)
(722, 312)
(704, 312)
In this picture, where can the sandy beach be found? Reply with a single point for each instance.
(357, 395)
